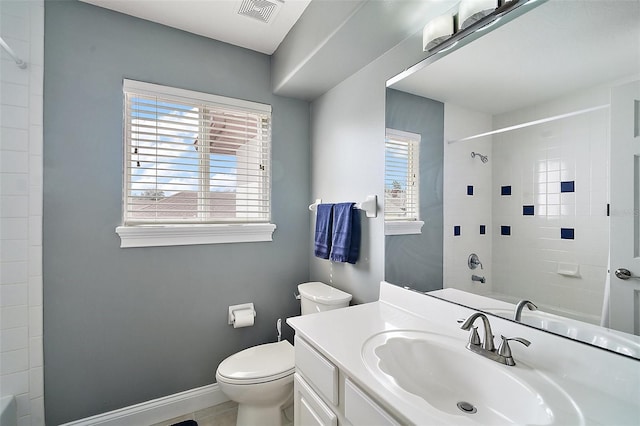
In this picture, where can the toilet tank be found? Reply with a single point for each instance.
(319, 297)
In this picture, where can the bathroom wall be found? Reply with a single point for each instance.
(417, 260)
(469, 212)
(21, 361)
(125, 326)
(347, 148)
(345, 120)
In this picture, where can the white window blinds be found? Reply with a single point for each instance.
(401, 176)
(191, 157)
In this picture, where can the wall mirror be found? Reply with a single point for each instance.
(528, 182)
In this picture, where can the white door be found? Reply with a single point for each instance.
(624, 302)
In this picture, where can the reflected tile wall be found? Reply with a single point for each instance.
(540, 180)
(557, 213)
(21, 358)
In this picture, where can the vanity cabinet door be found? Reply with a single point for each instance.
(359, 409)
(308, 408)
(317, 370)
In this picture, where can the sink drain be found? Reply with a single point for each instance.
(465, 407)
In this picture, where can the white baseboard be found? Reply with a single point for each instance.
(158, 410)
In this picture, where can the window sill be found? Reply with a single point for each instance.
(400, 227)
(183, 235)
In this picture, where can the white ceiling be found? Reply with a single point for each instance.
(216, 19)
(555, 49)
(315, 44)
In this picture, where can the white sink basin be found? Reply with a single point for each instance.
(578, 330)
(442, 373)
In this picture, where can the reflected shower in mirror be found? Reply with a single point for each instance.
(519, 168)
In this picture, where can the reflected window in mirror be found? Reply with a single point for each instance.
(402, 181)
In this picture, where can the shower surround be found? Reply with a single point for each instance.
(542, 201)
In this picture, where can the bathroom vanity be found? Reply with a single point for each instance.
(404, 360)
(325, 395)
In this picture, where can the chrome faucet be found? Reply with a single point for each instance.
(520, 306)
(478, 278)
(488, 335)
(487, 349)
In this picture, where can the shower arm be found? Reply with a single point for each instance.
(483, 158)
(19, 62)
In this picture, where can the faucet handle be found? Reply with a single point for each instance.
(473, 261)
(474, 337)
(504, 348)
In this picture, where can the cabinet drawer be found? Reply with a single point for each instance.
(359, 409)
(317, 369)
(309, 410)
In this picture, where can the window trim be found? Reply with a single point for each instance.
(398, 226)
(177, 234)
(182, 235)
(403, 227)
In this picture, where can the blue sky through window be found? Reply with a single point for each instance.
(398, 173)
(164, 157)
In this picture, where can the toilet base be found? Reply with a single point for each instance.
(255, 415)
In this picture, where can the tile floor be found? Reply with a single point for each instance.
(219, 415)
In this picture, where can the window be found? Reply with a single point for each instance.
(196, 168)
(402, 181)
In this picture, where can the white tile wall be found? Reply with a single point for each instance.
(21, 140)
(533, 161)
(468, 212)
(572, 149)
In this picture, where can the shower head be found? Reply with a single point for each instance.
(483, 158)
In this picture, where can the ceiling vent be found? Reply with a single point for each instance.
(262, 10)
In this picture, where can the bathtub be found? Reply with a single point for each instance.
(8, 411)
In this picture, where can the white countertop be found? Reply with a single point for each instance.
(611, 394)
(340, 335)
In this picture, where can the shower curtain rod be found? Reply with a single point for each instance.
(532, 123)
(19, 62)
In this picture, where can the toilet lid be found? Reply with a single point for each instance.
(322, 293)
(260, 363)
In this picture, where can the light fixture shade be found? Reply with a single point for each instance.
(471, 11)
(436, 31)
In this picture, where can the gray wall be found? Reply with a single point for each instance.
(416, 260)
(124, 326)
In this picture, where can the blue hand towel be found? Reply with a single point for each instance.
(356, 232)
(345, 245)
(324, 222)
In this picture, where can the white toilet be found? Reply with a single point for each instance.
(260, 378)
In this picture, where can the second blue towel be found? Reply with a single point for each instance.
(345, 245)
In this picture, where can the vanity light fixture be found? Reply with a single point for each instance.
(486, 27)
(472, 11)
(437, 45)
(445, 31)
(438, 30)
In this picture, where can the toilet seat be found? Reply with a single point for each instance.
(258, 364)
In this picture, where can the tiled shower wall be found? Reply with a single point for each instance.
(463, 212)
(542, 197)
(21, 145)
(558, 172)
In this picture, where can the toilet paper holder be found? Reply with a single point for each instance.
(242, 307)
